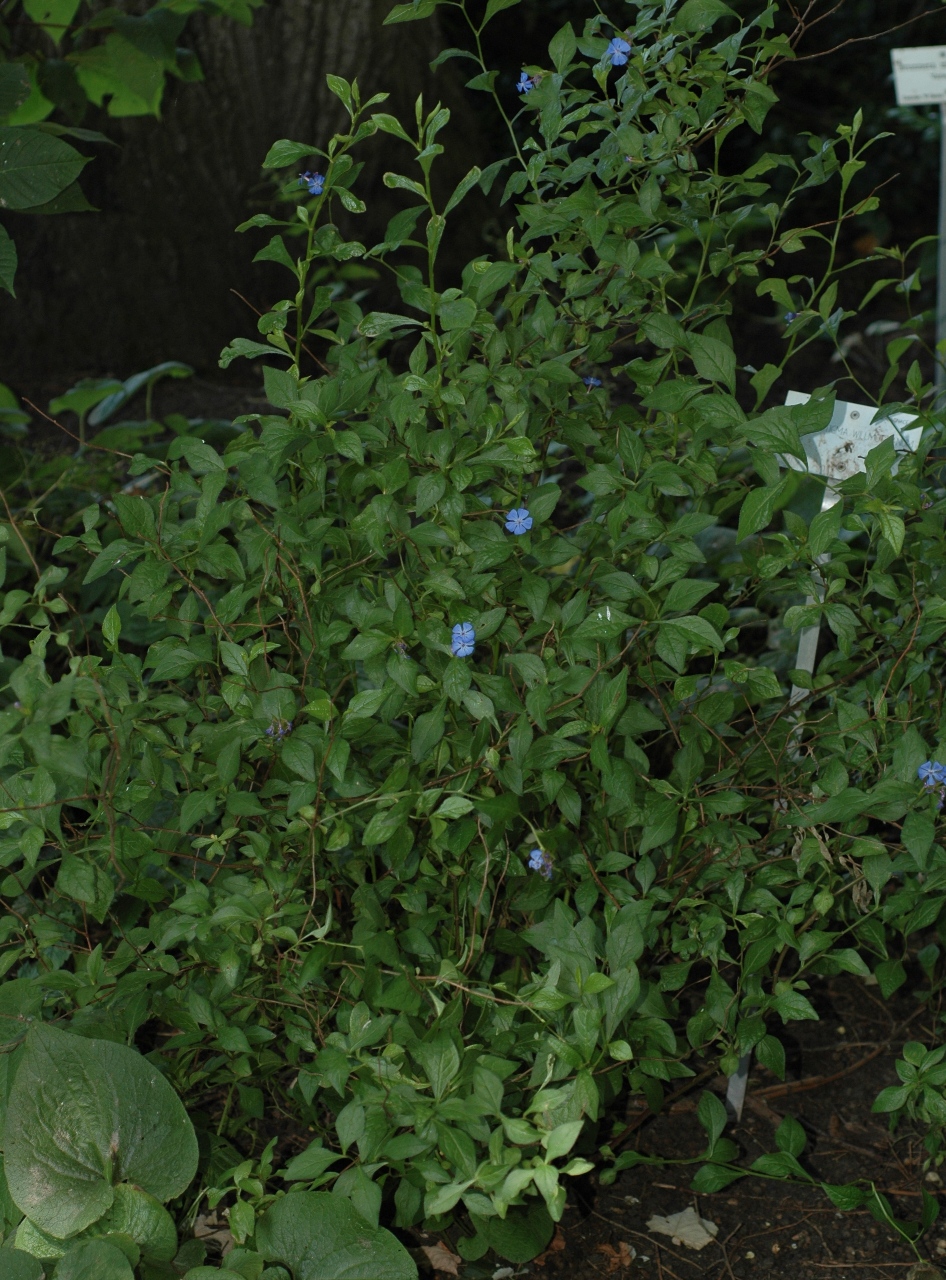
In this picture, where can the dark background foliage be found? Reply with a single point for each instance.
(152, 276)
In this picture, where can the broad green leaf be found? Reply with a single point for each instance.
(141, 1218)
(34, 167)
(54, 16)
(83, 1115)
(17, 1265)
(321, 1236)
(94, 1260)
(20, 1002)
(522, 1234)
(131, 80)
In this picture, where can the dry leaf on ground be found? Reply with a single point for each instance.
(617, 1258)
(441, 1259)
(556, 1245)
(685, 1228)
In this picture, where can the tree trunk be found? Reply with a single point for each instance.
(150, 276)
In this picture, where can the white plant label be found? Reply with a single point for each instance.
(839, 452)
(919, 75)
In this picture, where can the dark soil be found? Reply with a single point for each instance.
(769, 1229)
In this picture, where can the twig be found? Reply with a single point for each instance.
(815, 1082)
(310, 354)
(87, 444)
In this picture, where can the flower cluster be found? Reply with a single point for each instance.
(518, 521)
(314, 181)
(933, 776)
(464, 638)
(525, 83)
(279, 729)
(617, 51)
(541, 861)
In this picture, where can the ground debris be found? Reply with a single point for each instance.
(686, 1228)
(617, 1258)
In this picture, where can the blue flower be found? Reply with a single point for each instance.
(279, 728)
(617, 51)
(464, 637)
(790, 316)
(540, 861)
(591, 382)
(314, 181)
(519, 520)
(525, 83)
(932, 774)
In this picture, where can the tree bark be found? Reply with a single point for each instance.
(150, 276)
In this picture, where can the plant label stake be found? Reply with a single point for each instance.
(837, 453)
(919, 77)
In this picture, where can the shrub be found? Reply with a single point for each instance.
(420, 768)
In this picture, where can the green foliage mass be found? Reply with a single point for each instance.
(259, 815)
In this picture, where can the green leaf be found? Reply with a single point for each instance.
(248, 348)
(701, 15)
(562, 1138)
(311, 1164)
(464, 186)
(562, 47)
(83, 1115)
(714, 1177)
(94, 1260)
(8, 262)
(391, 124)
(15, 87)
(713, 359)
(427, 732)
(790, 1137)
(17, 1265)
(522, 1234)
(386, 821)
(688, 592)
(846, 1197)
(34, 167)
(20, 1002)
(321, 1236)
(712, 1116)
(141, 1218)
(495, 6)
(132, 80)
(87, 883)
(825, 527)
(757, 510)
(285, 152)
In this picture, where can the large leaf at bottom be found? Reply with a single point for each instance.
(16, 1265)
(320, 1236)
(83, 1115)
